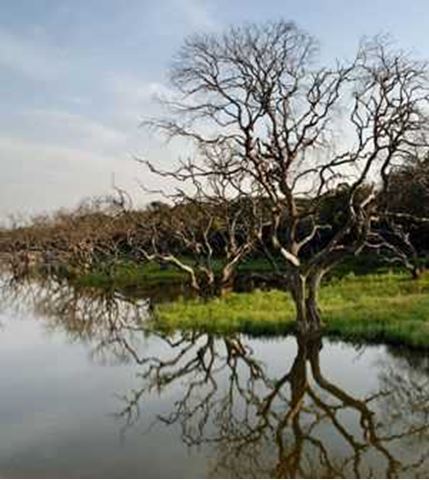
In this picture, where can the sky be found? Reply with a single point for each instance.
(78, 76)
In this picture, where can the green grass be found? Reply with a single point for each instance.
(128, 274)
(386, 307)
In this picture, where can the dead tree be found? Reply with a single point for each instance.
(300, 131)
(208, 226)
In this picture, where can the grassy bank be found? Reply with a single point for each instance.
(386, 307)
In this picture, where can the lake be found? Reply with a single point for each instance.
(88, 389)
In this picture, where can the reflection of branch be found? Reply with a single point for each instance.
(231, 401)
(115, 323)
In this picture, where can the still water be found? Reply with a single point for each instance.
(88, 390)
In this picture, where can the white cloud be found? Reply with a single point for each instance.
(55, 155)
(74, 130)
(136, 98)
(32, 59)
(197, 13)
(145, 92)
(39, 177)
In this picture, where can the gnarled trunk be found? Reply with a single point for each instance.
(210, 285)
(304, 293)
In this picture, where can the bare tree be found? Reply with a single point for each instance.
(209, 224)
(299, 131)
(68, 241)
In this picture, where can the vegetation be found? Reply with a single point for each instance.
(382, 307)
(128, 275)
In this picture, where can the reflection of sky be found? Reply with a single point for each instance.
(279, 354)
(56, 412)
(57, 402)
(77, 77)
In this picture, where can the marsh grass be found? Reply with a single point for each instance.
(129, 274)
(388, 307)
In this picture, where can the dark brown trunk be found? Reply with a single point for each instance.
(312, 306)
(416, 272)
(215, 285)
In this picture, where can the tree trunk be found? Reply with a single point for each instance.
(312, 299)
(218, 285)
(225, 287)
(226, 282)
(416, 272)
(304, 293)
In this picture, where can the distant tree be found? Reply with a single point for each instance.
(408, 190)
(406, 203)
(209, 225)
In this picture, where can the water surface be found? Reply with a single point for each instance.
(88, 391)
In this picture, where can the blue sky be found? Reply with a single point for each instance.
(77, 76)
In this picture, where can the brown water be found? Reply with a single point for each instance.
(88, 391)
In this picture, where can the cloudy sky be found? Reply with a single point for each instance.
(77, 77)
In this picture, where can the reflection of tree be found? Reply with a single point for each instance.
(406, 377)
(297, 423)
(113, 323)
(316, 427)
